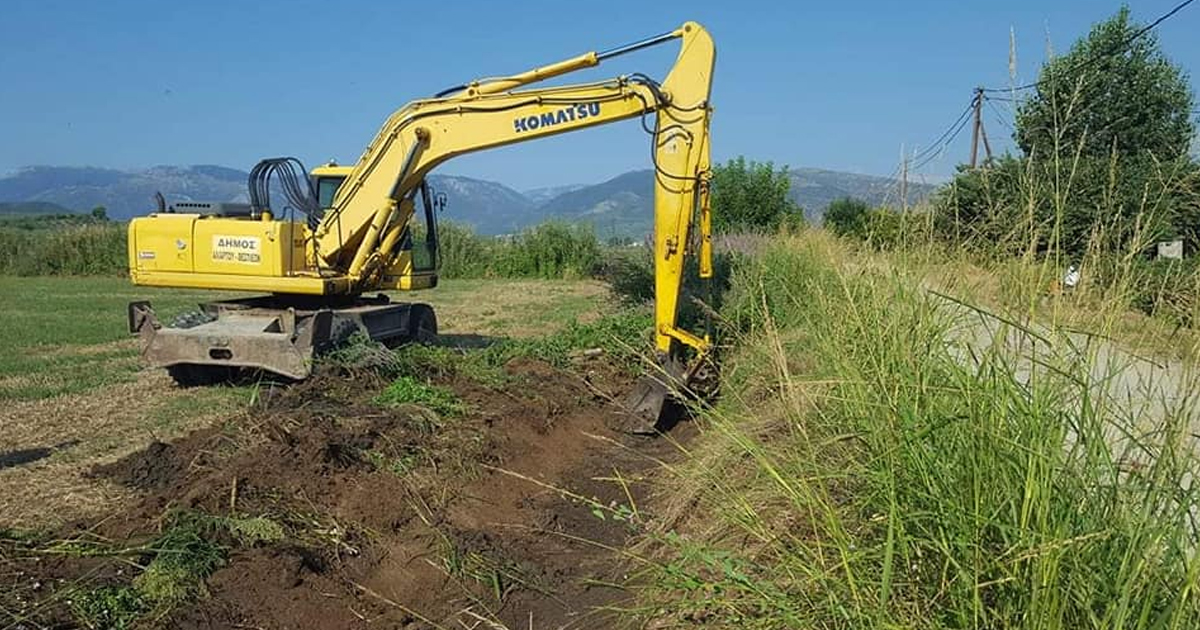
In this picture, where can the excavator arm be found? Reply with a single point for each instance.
(373, 206)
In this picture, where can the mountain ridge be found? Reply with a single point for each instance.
(619, 206)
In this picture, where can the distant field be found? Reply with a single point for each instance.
(68, 335)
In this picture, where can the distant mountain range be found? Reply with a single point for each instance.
(622, 205)
(31, 208)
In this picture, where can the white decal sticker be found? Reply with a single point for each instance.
(237, 249)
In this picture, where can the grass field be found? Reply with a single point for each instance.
(70, 376)
(68, 334)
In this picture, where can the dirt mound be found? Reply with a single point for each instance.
(399, 518)
(154, 468)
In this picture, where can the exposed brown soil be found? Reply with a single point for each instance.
(395, 518)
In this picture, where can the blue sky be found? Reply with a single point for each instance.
(840, 85)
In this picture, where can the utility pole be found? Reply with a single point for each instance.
(903, 178)
(987, 147)
(977, 127)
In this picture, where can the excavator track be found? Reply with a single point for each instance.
(269, 335)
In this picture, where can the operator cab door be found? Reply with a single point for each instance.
(416, 260)
(422, 237)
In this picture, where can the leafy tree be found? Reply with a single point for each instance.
(1104, 141)
(100, 213)
(847, 217)
(751, 196)
(1109, 96)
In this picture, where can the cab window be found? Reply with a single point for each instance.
(327, 189)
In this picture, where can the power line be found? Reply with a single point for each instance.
(937, 154)
(938, 145)
(999, 115)
(1096, 59)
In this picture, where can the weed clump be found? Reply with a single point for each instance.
(109, 607)
(409, 390)
(185, 554)
(174, 565)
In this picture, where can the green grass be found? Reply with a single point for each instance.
(510, 308)
(409, 390)
(73, 332)
(880, 460)
(66, 335)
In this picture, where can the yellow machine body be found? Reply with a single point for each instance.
(194, 251)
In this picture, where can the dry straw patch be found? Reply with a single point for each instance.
(91, 429)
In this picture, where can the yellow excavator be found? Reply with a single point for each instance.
(373, 226)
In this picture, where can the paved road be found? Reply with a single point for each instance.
(1132, 391)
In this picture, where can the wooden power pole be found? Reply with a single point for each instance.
(978, 105)
(977, 131)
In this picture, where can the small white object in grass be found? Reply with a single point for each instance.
(1072, 278)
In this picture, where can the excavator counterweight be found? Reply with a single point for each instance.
(345, 231)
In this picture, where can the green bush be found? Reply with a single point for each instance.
(751, 196)
(630, 273)
(847, 217)
(1161, 288)
(888, 228)
(1015, 205)
(631, 276)
(550, 250)
(76, 250)
(463, 253)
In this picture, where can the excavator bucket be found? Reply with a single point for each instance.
(644, 406)
(654, 404)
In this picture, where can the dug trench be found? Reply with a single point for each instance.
(324, 508)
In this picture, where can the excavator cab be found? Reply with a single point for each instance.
(416, 262)
(282, 334)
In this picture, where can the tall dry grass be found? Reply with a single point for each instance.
(884, 457)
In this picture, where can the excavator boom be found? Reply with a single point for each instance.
(423, 134)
